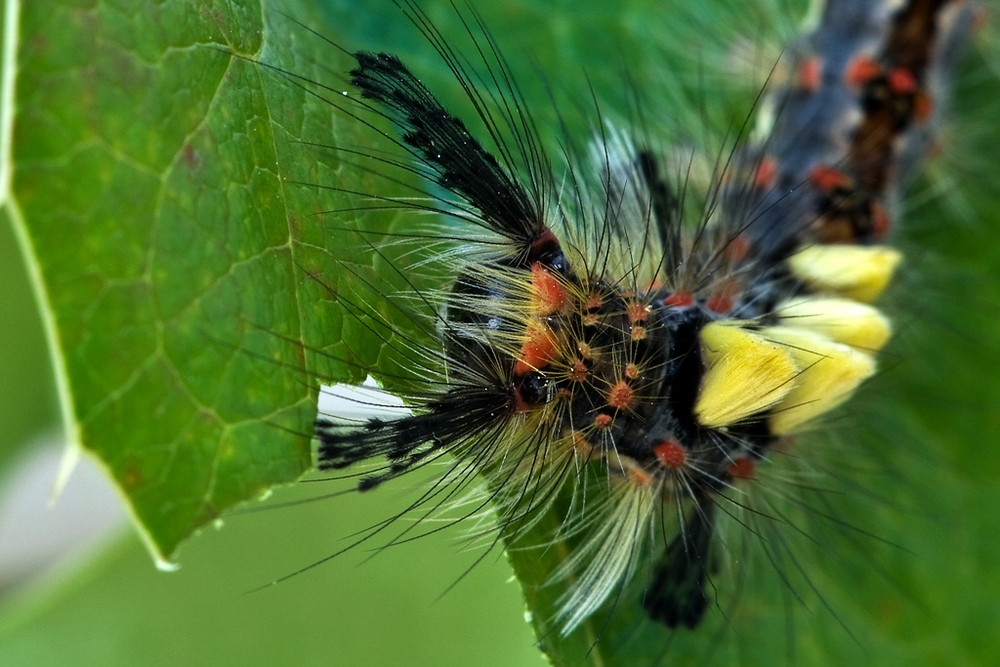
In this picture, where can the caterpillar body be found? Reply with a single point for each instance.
(610, 358)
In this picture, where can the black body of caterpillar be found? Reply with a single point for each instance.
(678, 373)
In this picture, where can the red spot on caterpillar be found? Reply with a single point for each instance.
(537, 351)
(637, 312)
(828, 179)
(578, 371)
(721, 300)
(594, 301)
(810, 74)
(742, 468)
(923, 105)
(549, 295)
(679, 299)
(620, 395)
(719, 303)
(737, 249)
(603, 421)
(670, 454)
(860, 70)
(901, 81)
(767, 172)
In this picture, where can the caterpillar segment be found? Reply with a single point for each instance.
(817, 189)
(673, 358)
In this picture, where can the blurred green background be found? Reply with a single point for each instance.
(937, 404)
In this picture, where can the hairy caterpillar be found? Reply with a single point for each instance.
(539, 290)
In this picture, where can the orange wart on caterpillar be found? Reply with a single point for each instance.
(608, 352)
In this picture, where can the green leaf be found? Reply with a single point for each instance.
(154, 193)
